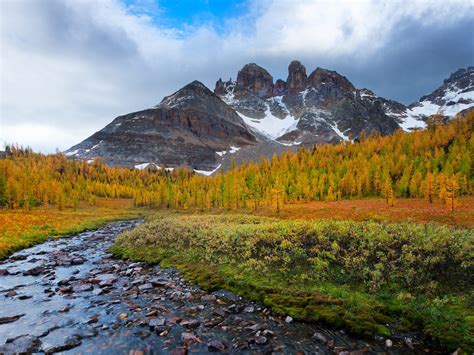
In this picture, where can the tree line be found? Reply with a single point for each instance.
(435, 164)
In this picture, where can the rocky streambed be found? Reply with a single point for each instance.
(70, 295)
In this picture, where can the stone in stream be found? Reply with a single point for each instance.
(145, 287)
(37, 270)
(156, 322)
(249, 309)
(189, 338)
(24, 297)
(190, 323)
(68, 344)
(159, 281)
(4, 272)
(18, 257)
(77, 261)
(288, 319)
(216, 345)
(319, 337)
(208, 298)
(11, 319)
(261, 340)
(24, 344)
(105, 279)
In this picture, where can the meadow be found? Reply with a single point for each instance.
(365, 277)
(21, 229)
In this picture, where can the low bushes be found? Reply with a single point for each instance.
(356, 275)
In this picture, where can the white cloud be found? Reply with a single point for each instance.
(68, 68)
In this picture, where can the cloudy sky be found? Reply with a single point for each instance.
(67, 68)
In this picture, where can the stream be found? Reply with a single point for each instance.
(70, 295)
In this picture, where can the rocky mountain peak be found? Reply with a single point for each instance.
(256, 80)
(320, 77)
(454, 95)
(463, 77)
(297, 78)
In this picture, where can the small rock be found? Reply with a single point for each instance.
(208, 298)
(189, 338)
(4, 272)
(11, 319)
(261, 340)
(388, 343)
(194, 323)
(11, 293)
(93, 319)
(123, 316)
(216, 345)
(249, 309)
(144, 287)
(69, 343)
(319, 337)
(24, 297)
(77, 261)
(288, 319)
(37, 270)
(18, 257)
(409, 342)
(219, 312)
(83, 288)
(156, 322)
(257, 327)
(65, 289)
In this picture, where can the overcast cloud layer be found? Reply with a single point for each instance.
(69, 67)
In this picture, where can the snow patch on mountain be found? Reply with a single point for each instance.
(271, 126)
(206, 172)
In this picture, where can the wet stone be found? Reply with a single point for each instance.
(24, 344)
(216, 345)
(261, 340)
(156, 322)
(319, 337)
(68, 344)
(37, 270)
(145, 287)
(10, 319)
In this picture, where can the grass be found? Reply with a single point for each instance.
(21, 229)
(359, 276)
(405, 210)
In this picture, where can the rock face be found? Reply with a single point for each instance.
(255, 80)
(297, 79)
(186, 128)
(323, 107)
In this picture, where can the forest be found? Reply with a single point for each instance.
(435, 164)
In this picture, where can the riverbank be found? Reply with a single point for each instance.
(370, 278)
(69, 294)
(21, 229)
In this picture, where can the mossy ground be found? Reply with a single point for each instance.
(360, 276)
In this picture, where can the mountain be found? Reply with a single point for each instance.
(322, 107)
(254, 115)
(455, 95)
(186, 128)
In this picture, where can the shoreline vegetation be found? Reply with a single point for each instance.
(366, 277)
(20, 229)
